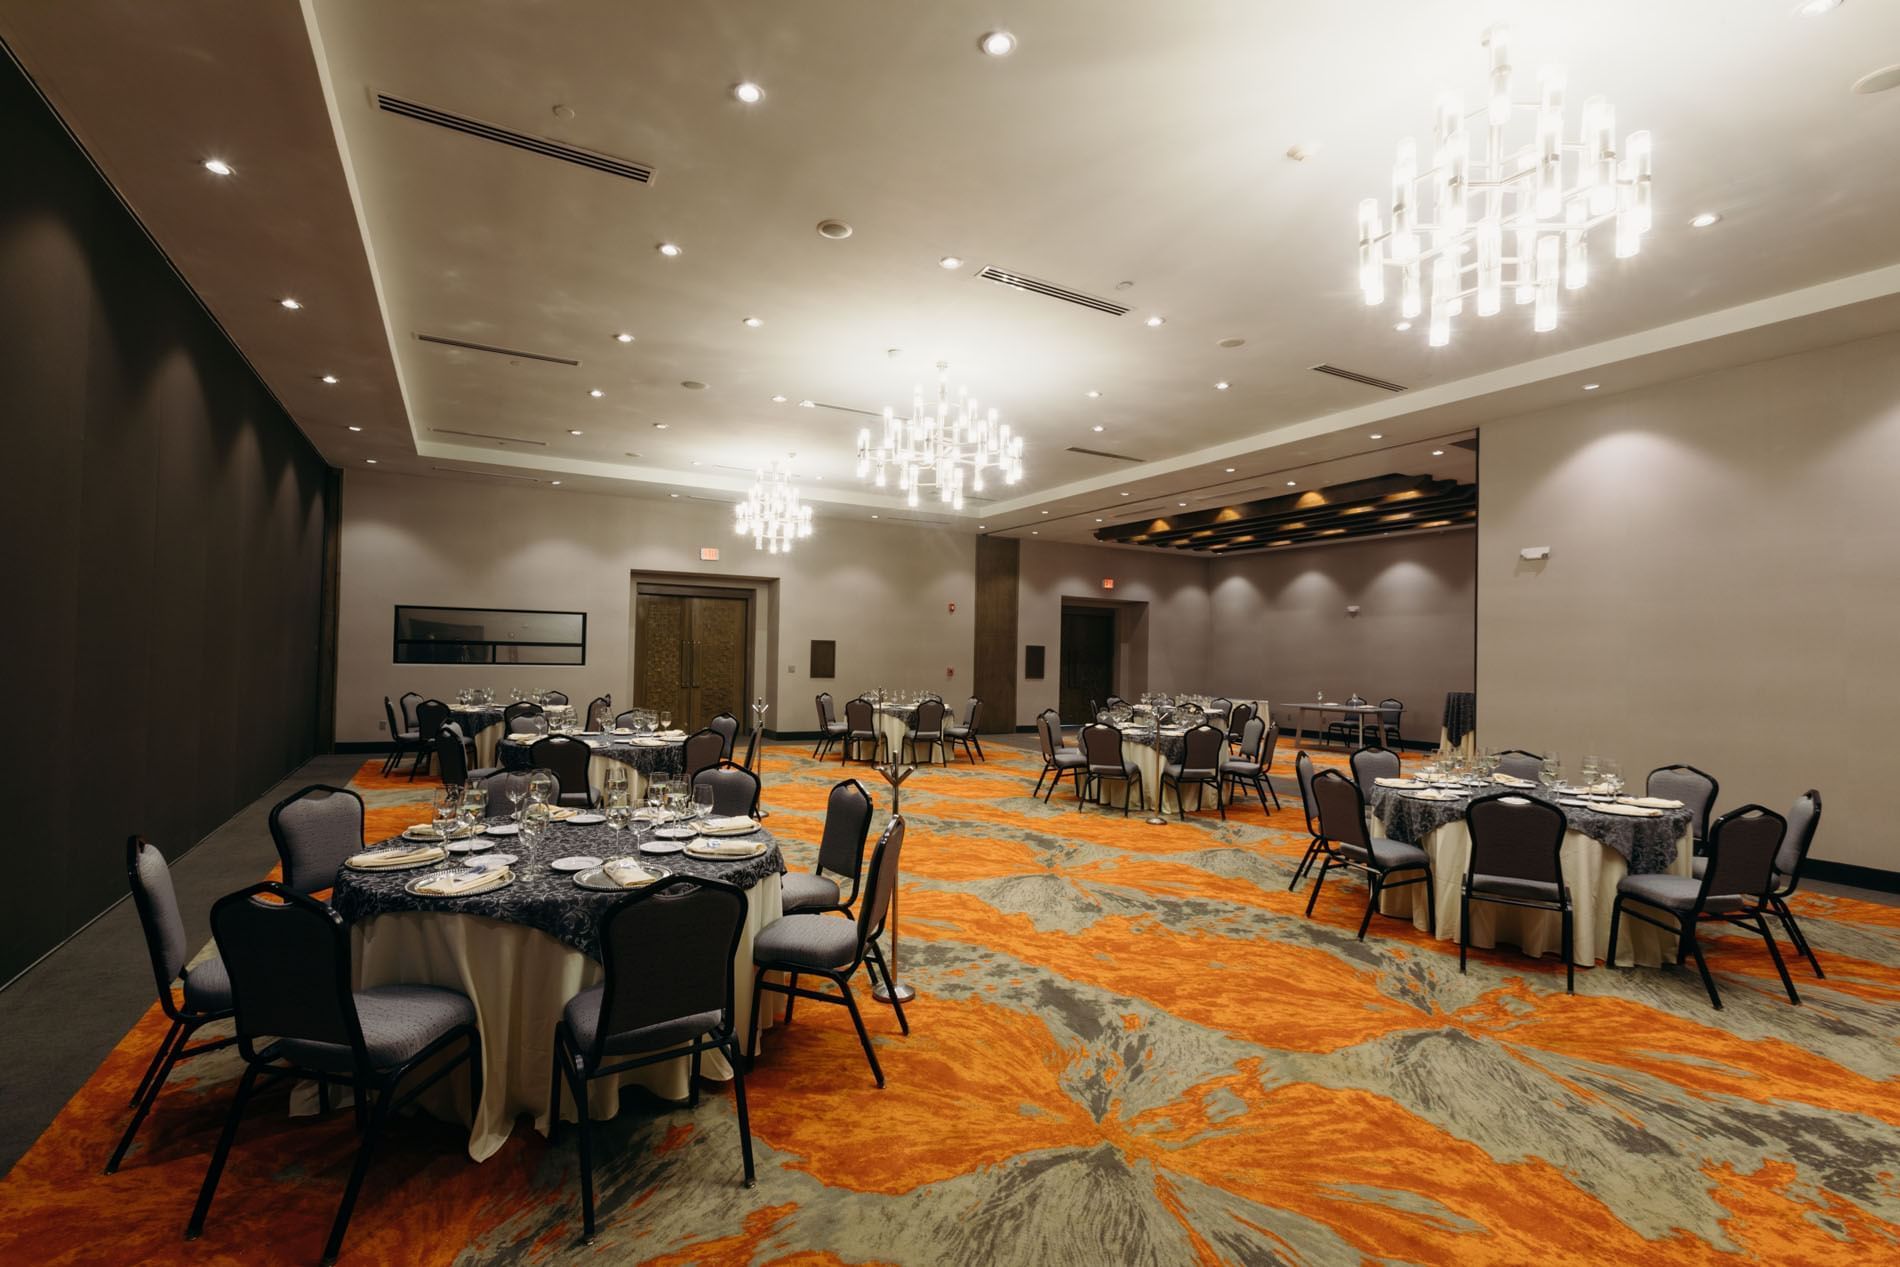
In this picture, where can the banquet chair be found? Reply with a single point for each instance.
(966, 733)
(568, 758)
(1101, 746)
(288, 956)
(1220, 704)
(830, 729)
(751, 761)
(860, 728)
(1348, 726)
(833, 948)
(1391, 716)
(315, 829)
(1736, 886)
(1516, 859)
(1803, 820)
(512, 783)
(1057, 760)
(401, 738)
(1520, 764)
(727, 727)
(735, 790)
(1370, 764)
(628, 720)
(927, 728)
(1249, 765)
(406, 703)
(1696, 789)
(1201, 751)
(557, 698)
(1316, 845)
(522, 708)
(1237, 720)
(1116, 701)
(207, 992)
(669, 953)
(705, 748)
(840, 853)
(431, 716)
(451, 754)
(599, 713)
(1349, 846)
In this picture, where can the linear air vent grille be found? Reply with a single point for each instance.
(844, 409)
(483, 435)
(1102, 453)
(1355, 376)
(485, 475)
(1003, 277)
(447, 342)
(624, 168)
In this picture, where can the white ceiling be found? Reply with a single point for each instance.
(1123, 141)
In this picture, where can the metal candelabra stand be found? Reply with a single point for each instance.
(759, 709)
(894, 774)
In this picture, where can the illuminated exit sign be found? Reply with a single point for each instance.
(1108, 582)
(709, 554)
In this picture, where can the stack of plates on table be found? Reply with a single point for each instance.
(400, 858)
(621, 873)
(1649, 802)
(1627, 811)
(1511, 780)
(561, 813)
(737, 825)
(1398, 783)
(719, 851)
(461, 883)
(428, 832)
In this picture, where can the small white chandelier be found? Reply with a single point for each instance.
(1524, 197)
(937, 450)
(772, 514)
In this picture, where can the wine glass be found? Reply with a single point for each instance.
(541, 787)
(656, 793)
(1589, 772)
(702, 802)
(619, 814)
(1553, 767)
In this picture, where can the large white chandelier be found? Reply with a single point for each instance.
(1523, 210)
(938, 450)
(772, 514)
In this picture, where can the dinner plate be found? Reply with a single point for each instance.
(720, 855)
(588, 819)
(733, 830)
(649, 743)
(504, 829)
(432, 837)
(502, 879)
(596, 878)
(492, 860)
(661, 846)
(676, 833)
(424, 861)
(579, 862)
(468, 844)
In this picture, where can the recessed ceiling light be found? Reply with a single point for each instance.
(1377, 435)
(1045, 512)
(1403, 326)
(354, 427)
(998, 43)
(218, 167)
(659, 426)
(875, 516)
(1035, 532)
(950, 261)
(1097, 427)
(1230, 470)
(1590, 387)
(748, 92)
(753, 322)
(1815, 8)
(371, 461)
(1885, 79)
(1704, 220)
(1222, 386)
(692, 385)
(291, 304)
(1124, 494)
(668, 249)
(1292, 484)
(1098, 519)
(556, 483)
(1092, 394)
(806, 404)
(1155, 321)
(596, 393)
(836, 230)
(623, 337)
(571, 431)
(329, 379)
(778, 400)
(672, 494)
(1182, 504)
(982, 526)
(1438, 453)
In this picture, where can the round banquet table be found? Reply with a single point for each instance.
(1598, 850)
(1149, 752)
(642, 759)
(894, 722)
(520, 953)
(482, 725)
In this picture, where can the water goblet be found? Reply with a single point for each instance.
(702, 802)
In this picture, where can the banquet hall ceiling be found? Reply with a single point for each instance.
(1125, 150)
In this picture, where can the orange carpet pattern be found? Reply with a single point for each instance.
(1129, 1046)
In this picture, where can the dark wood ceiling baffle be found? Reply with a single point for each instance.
(1362, 508)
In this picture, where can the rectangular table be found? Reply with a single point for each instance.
(1361, 711)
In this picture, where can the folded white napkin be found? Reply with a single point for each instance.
(422, 831)
(737, 822)
(1397, 782)
(1627, 811)
(455, 883)
(672, 734)
(397, 857)
(738, 848)
(1650, 802)
(1511, 780)
(628, 873)
(1435, 794)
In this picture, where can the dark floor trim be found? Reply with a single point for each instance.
(1848, 873)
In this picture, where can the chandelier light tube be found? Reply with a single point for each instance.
(772, 513)
(946, 450)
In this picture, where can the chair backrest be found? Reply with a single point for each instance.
(498, 786)
(1516, 837)
(726, 726)
(735, 790)
(1342, 810)
(521, 708)
(1115, 701)
(823, 700)
(1803, 821)
(431, 716)
(567, 757)
(288, 957)
(1373, 763)
(554, 697)
(1268, 743)
(1743, 844)
(668, 952)
(407, 703)
(1220, 704)
(1303, 771)
(1520, 764)
(751, 761)
(847, 827)
(626, 720)
(1201, 751)
(1391, 711)
(930, 717)
(389, 714)
(1355, 698)
(451, 758)
(1696, 789)
(157, 905)
(881, 882)
(973, 715)
(860, 717)
(1242, 713)
(599, 711)
(705, 749)
(315, 829)
(1045, 736)
(1102, 747)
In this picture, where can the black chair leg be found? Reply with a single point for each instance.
(1702, 966)
(1616, 918)
(979, 749)
(1795, 935)
(1570, 958)
(158, 1058)
(1431, 906)
(1270, 792)
(175, 1040)
(1372, 902)
(864, 1037)
(578, 1085)
(752, 1034)
(358, 1171)
(1319, 882)
(1464, 928)
(745, 1119)
(897, 1004)
(554, 1089)
(1306, 863)
(209, 1188)
(1787, 982)
(791, 999)
(1037, 790)
(692, 1080)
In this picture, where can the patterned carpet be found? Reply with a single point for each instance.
(1129, 1046)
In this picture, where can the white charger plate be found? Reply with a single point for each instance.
(598, 879)
(661, 846)
(676, 833)
(710, 855)
(579, 862)
(588, 819)
(504, 829)
(492, 860)
(414, 887)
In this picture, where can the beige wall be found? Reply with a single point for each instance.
(1723, 587)
(1281, 632)
(882, 591)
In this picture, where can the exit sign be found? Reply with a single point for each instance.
(1108, 582)
(709, 554)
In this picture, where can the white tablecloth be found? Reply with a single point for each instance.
(519, 979)
(485, 740)
(1147, 760)
(1591, 869)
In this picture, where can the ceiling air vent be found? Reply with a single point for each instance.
(1003, 277)
(623, 168)
(447, 342)
(483, 435)
(1102, 453)
(1355, 377)
(843, 409)
(485, 475)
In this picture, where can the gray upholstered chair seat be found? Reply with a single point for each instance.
(822, 942)
(1517, 886)
(1129, 770)
(1673, 892)
(1068, 759)
(411, 733)
(583, 800)
(957, 732)
(398, 1021)
(1245, 769)
(583, 1017)
(484, 772)
(1174, 770)
(208, 987)
(803, 891)
(1388, 853)
(836, 727)
(1701, 865)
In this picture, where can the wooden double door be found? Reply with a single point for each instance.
(1087, 661)
(692, 652)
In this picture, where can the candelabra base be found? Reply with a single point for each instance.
(1155, 820)
(883, 992)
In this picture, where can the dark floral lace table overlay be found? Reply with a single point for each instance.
(1647, 844)
(668, 759)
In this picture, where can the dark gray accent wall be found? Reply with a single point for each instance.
(163, 523)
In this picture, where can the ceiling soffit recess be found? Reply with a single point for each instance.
(1361, 508)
